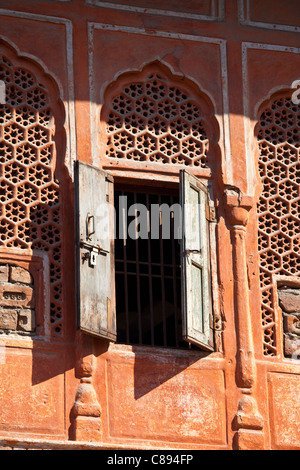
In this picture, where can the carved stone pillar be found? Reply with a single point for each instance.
(86, 409)
(247, 420)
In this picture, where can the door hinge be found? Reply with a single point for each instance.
(210, 213)
(217, 323)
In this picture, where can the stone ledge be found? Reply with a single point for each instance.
(40, 444)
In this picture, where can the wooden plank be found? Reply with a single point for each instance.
(95, 227)
(195, 263)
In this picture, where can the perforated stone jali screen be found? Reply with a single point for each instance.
(152, 120)
(278, 208)
(29, 194)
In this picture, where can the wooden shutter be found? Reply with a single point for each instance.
(195, 263)
(94, 195)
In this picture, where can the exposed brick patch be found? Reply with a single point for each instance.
(4, 272)
(291, 346)
(17, 300)
(289, 301)
(292, 324)
(8, 319)
(12, 295)
(18, 274)
(26, 320)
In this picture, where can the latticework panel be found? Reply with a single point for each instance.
(29, 194)
(278, 208)
(152, 120)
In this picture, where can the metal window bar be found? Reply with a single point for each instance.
(138, 290)
(176, 319)
(158, 309)
(123, 221)
(150, 272)
(162, 276)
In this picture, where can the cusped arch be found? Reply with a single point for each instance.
(154, 116)
(44, 79)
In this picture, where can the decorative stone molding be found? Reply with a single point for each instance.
(86, 409)
(247, 416)
(237, 208)
(17, 300)
(247, 422)
(157, 120)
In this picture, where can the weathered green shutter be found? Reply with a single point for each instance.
(95, 280)
(195, 263)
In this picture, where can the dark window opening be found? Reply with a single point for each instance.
(148, 276)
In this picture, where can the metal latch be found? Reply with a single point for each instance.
(93, 252)
(90, 226)
(93, 257)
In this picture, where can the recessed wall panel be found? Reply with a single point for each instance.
(284, 403)
(188, 404)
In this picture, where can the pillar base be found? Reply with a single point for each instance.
(248, 416)
(87, 429)
(246, 439)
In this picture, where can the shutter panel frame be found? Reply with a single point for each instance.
(94, 246)
(195, 263)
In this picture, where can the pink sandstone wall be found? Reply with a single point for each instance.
(60, 385)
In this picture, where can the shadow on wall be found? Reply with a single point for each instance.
(153, 370)
(36, 214)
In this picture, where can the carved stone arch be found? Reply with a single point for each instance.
(153, 118)
(50, 83)
(277, 133)
(32, 149)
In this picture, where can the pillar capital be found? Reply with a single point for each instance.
(237, 206)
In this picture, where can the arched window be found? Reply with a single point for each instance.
(155, 122)
(154, 118)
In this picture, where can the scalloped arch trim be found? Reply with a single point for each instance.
(153, 115)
